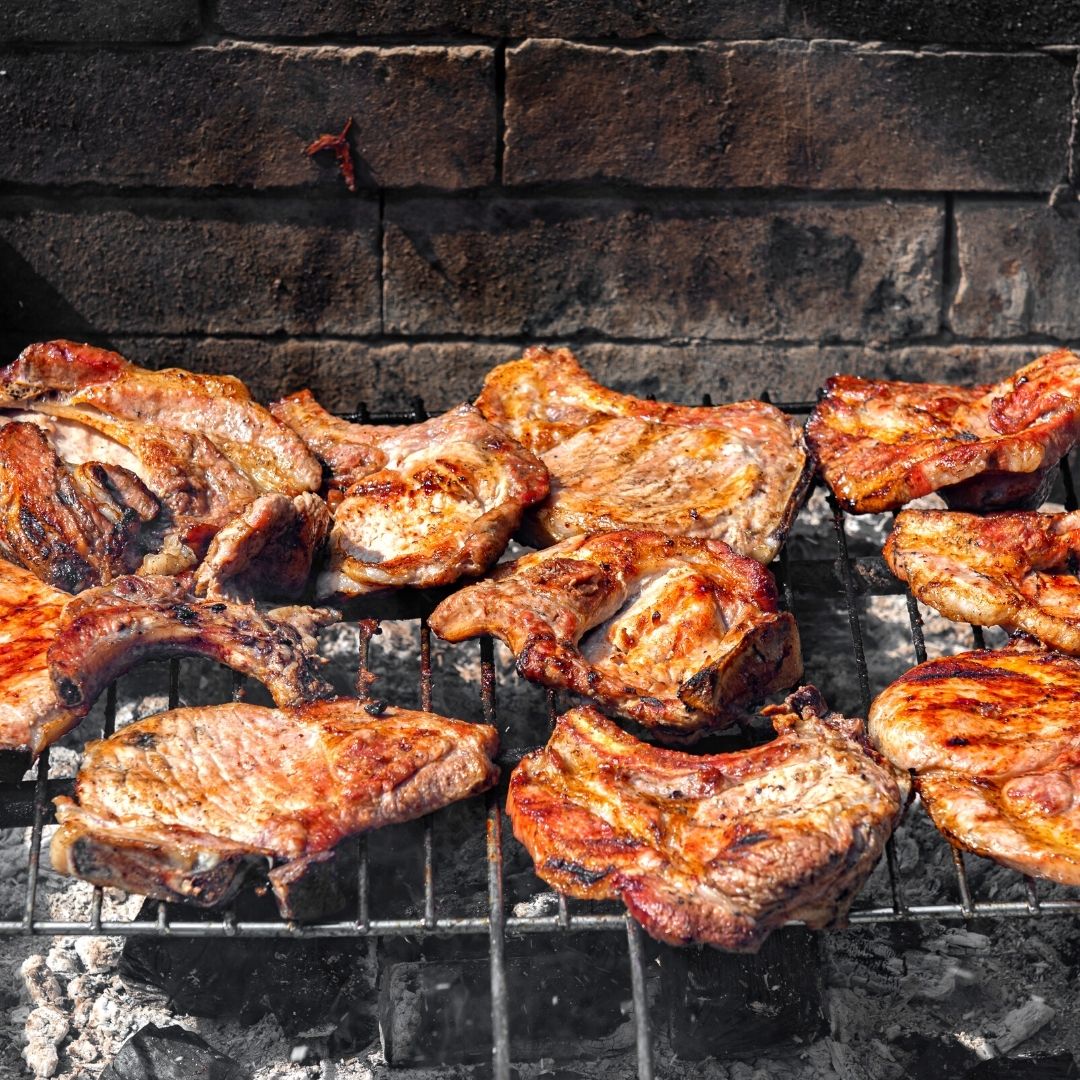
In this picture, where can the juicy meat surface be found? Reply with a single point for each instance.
(992, 738)
(106, 631)
(882, 444)
(74, 527)
(735, 473)
(180, 805)
(421, 505)
(1010, 570)
(217, 407)
(674, 633)
(719, 848)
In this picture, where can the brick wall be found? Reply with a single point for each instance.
(699, 195)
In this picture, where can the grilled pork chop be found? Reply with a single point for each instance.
(58, 652)
(181, 805)
(72, 526)
(672, 632)
(882, 444)
(735, 473)
(992, 737)
(1009, 570)
(422, 505)
(718, 848)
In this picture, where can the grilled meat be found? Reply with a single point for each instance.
(217, 407)
(671, 632)
(719, 848)
(72, 526)
(882, 444)
(735, 473)
(992, 737)
(105, 632)
(1010, 570)
(422, 505)
(180, 805)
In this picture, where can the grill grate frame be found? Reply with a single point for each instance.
(27, 804)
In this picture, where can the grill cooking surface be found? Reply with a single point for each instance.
(839, 575)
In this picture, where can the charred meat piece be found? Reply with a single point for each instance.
(181, 805)
(422, 505)
(674, 633)
(217, 407)
(105, 632)
(992, 737)
(882, 444)
(735, 473)
(74, 527)
(267, 550)
(719, 848)
(1009, 570)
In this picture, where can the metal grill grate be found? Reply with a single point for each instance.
(28, 804)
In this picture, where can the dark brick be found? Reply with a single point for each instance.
(785, 114)
(1019, 271)
(731, 271)
(994, 23)
(152, 266)
(98, 20)
(242, 116)
(505, 18)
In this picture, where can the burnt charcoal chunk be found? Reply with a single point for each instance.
(170, 1053)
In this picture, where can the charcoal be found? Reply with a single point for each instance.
(170, 1053)
(934, 1055)
(1059, 1066)
(721, 1004)
(434, 1012)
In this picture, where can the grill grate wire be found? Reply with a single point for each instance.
(497, 924)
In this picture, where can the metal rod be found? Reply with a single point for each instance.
(174, 683)
(642, 1024)
(34, 866)
(1032, 892)
(1067, 483)
(854, 625)
(429, 820)
(363, 900)
(967, 903)
(109, 725)
(978, 637)
(238, 687)
(918, 639)
(367, 629)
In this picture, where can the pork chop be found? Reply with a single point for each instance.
(992, 737)
(675, 633)
(718, 848)
(182, 805)
(881, 444)
(736, 473)
(1009, 570)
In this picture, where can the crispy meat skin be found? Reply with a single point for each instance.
(217, 407)
(683, 632)
(735, 473)
(1009, 570)
(180, 805)
(422, 505)
(719, 848)
(992, 736)
(73, 527)
(882, 444)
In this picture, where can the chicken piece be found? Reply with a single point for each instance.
(992, 737)
(736, 473)
(182, 805)
(217, 407)
(674, 633)
(72, 527)
(882, 444)
(1009, 570)
(718, 848)
(268, 550)
(424, 504)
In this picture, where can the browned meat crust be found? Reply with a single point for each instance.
(107, 631)
(1010, 570)
(180, 805)
(882, 444)
(719, 848)
(420, 505)
(73, 527)
(683, 632)
(992, 736)
(736, 473)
